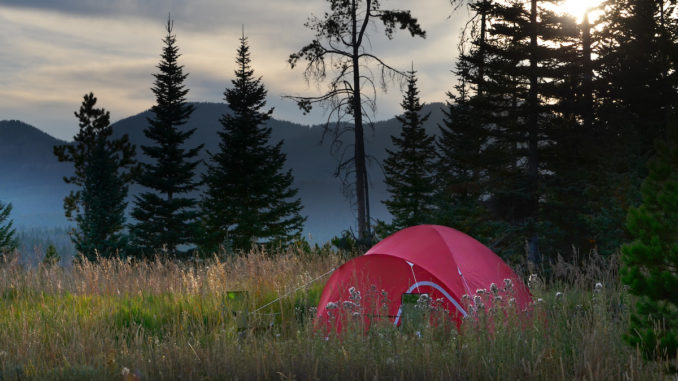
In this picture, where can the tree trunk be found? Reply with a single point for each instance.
(533, 141)
(481, 63)
(588, 74)
(359, 146)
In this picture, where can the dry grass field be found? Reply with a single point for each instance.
(123, 320)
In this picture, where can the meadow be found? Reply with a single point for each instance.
(125, 320)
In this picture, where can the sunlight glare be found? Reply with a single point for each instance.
(577, 8)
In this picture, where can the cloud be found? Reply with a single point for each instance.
(55, 51)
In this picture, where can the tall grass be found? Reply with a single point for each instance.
(118, 319)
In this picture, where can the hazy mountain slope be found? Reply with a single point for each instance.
(31, 177)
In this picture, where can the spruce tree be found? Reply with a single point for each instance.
(249, 197)
(498, 131)
(103, 168)
(166, 214)
(650, 262)
(460, 169)
(635, 88)
(8, 241)
(409, 168)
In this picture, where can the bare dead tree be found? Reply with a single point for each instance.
(340, 53)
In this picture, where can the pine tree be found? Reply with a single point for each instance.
(650, 262)
(103, 168)
(409, 168)
(8, 241)
(249, 197)
(460, 169)
(513, 80)
(51, 258)
(635, 88)
(166, 215)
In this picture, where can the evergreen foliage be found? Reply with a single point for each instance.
(8, 241)
(103, 168)
(462, 162)
(635, 93)
(409, 168)
(166, 214)
(249, 197)
(499, 142)
(650, 262)
(51, 258)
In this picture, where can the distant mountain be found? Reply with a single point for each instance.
(31, 177)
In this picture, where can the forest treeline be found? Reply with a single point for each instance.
(549, 125)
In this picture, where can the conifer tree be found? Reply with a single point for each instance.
(650, 262)
(460, 169)
(249, 197)
(103, 168)
(409, 168)
(8, 241)
(166, 215)
(635, 88)
(513, 81)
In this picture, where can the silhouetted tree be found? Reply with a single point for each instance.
(103, 168)
(249, 197)
(635, 88)
(409, 167)
(341, 42)
(8, 241)
(510, 98)
(166, 215)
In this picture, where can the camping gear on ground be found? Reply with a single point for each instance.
(421, 267)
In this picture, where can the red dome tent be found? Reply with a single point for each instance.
(426, 259)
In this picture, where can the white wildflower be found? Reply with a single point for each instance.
(540, 300)
(559, 295)
(423, 302)
(481, 291)
(478, 301)
(598, 287)
(498, 298)
(355, 295)
(331, 306)
(494, 288)
(124, 372)
(508, 284)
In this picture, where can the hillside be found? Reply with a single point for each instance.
(32, 177)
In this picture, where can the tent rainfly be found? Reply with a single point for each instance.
(441, 262)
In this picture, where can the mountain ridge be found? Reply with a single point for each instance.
(32, 177)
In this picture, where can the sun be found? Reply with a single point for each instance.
(578, 8)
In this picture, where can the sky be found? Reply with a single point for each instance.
(53, 52)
